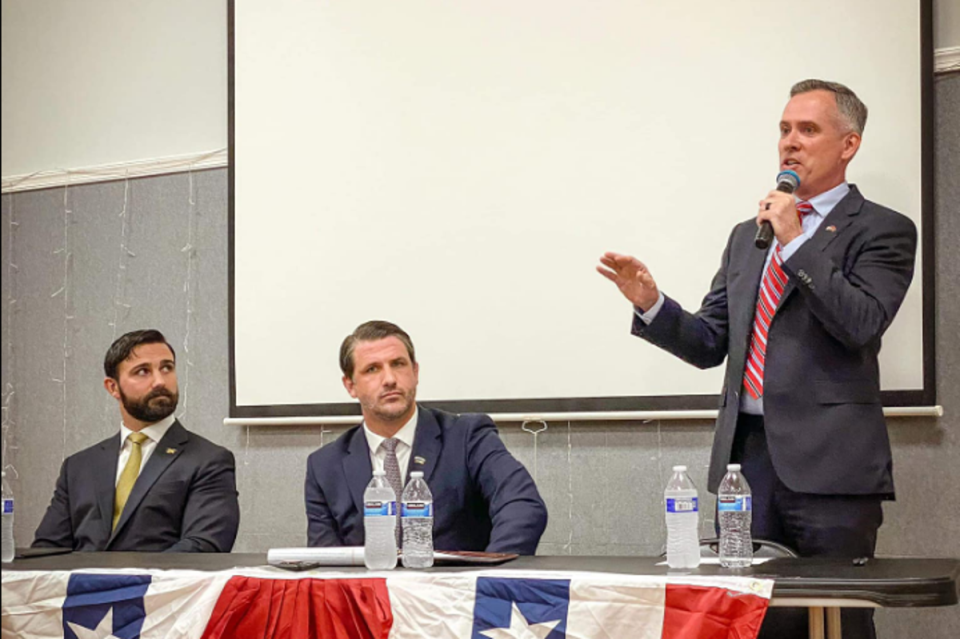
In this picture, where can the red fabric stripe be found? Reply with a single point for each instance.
(297, 608)
(765, 308)
(755, 377)
(711, 613)
(760, 327)
(758, 363)
(779, 280)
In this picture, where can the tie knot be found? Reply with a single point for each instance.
(804, 209)
(137, 438)
(390, 445)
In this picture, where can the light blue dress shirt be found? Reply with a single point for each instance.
(822, 205)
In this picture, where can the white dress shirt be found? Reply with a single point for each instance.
(154, 433)
(405, 435)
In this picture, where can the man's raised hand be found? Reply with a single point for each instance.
(631, 277)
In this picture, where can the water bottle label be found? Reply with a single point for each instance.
(7, 506)
(684, 505)
(735, 504)
(380, 509)
(416, 509)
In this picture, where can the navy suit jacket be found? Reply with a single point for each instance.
(821, 398)
(184, 500)
(483, 498)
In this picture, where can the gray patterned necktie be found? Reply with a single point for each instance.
(391, 466)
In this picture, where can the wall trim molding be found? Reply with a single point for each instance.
(946, 60)
(119, 171)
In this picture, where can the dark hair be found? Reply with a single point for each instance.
(853, 112)
(125, 344)
(370, 332)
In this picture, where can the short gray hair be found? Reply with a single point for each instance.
(852, 110)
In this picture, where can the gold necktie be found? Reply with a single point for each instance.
(129, 475)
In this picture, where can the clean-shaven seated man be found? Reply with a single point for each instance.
(153, 487)
(799, 326)
(483, 498)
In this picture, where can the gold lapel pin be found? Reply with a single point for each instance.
(419, 460)
(831, 229)
(171, 451)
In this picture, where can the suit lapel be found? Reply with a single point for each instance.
(357, 467)
(427, 445)
(832, 227)
(105, 480)
(169, 447)
(752, 268)
(842, 215)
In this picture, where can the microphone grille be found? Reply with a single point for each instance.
(788, 179)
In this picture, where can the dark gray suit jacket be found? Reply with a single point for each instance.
(483, 498)
(185, 499)
(822, 412)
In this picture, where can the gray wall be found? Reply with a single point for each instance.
(84, 264)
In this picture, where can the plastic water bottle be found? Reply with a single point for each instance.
(735, 510)
(683, 520)
(9, 547)
(416, 516)
(379, 524)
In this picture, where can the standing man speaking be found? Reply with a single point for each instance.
(800, 326)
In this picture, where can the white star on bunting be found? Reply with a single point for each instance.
(104, 629)
(520, 628)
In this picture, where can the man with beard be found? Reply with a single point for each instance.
(155, 486)
(483, 498)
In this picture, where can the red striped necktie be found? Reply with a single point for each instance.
(771, 290)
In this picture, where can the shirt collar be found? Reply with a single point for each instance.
(154, 431)
(405, 434)
(826, 201)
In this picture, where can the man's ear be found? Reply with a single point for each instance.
(851, 144)
(348, 384)
(112, 387)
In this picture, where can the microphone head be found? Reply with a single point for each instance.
(787, 181)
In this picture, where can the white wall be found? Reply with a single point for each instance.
(111, 81)
(98, 82)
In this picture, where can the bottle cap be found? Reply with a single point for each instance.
(733, 468)
(379, 473)
(679, 469)
(417, 474)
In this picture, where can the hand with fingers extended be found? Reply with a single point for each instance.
(631, 277)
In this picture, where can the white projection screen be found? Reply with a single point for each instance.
(458, 168)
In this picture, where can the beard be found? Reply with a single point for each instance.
(146, 409)
(395, 410)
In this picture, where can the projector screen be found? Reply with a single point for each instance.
(459, 167)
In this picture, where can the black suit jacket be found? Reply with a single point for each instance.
(822, 412)
(185, 499)
(483, 498)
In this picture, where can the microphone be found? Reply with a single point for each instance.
(787, 182)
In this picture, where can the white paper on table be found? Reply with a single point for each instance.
(715, 561)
